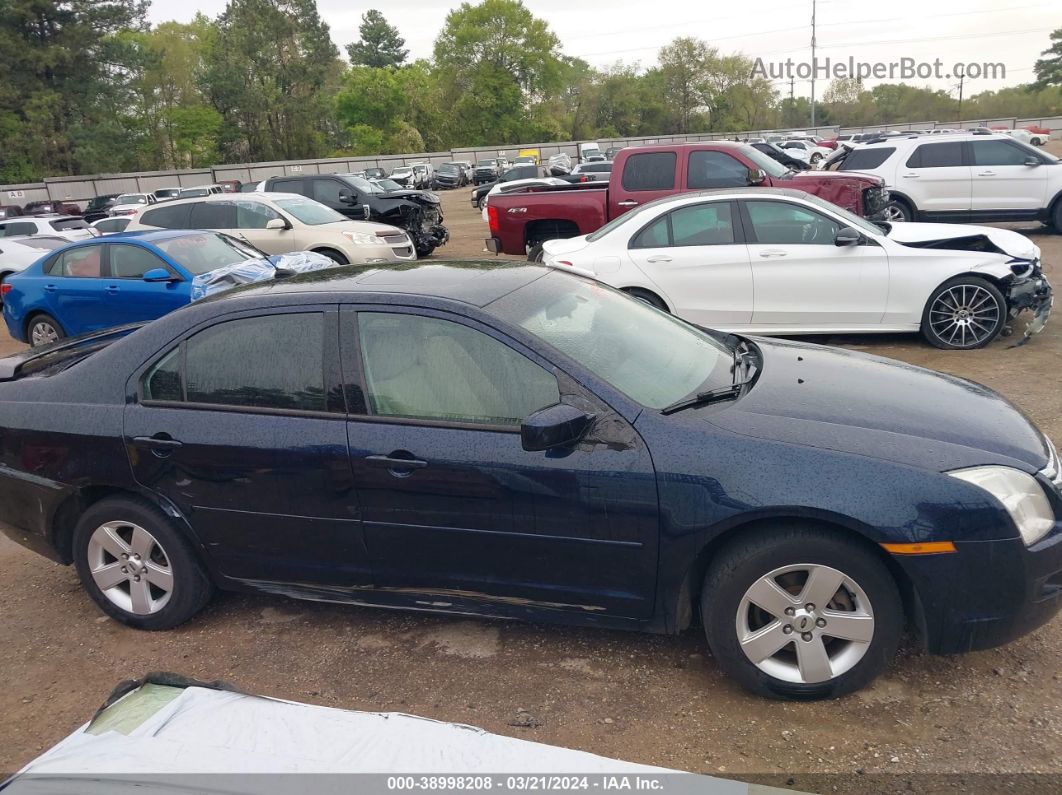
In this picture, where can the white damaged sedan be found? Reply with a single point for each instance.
(777, 261)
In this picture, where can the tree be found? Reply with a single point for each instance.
(684, 67)
(380, 44)
(268, 71)
(1049, 70)
(64, 90)
(496, 61)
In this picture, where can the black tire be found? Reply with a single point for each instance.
(936, 333)
(815, 158)
(191, 588)
(1056, 217)
(743, 562)
(649, 297)
(424, 251)
(336, 256)
(900, 210)
(536, 254)
(43, 319)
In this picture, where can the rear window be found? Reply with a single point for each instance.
(43, 243)
(596, 167)
(650, 171)
(861, 159)
(68, 223)
(936, 155)
(174, 216)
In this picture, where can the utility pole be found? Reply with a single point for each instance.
(813, 70)
(962, 78)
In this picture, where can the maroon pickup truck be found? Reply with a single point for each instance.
(522, 221)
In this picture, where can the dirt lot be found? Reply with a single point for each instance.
(657, 700)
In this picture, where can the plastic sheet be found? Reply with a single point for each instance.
(257, 270)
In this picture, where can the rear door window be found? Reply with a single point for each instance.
(656, 235)
(938, 155)
(213, 215)
(287, 186)
(83, 262)
(650, 171)
(703, 225)
(270, 362)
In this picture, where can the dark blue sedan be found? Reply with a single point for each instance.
(517, 442)
(124, 278)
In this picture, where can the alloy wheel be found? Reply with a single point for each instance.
(805, 623)
(964, 315)
(130, 567)
(895, 213)
(43, 332)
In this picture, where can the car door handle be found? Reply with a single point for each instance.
(911, 176)
(773, 252)
(50, 288)
(160, 445)
(627, 203)
(396, 462)
(659, 258)
(986, 173)
(112, 288)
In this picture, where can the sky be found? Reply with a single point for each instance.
(605, 31)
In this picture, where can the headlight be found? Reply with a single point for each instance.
(362, 238)
(1021, 495)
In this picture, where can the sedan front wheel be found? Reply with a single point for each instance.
(801, 613)
(964, 313)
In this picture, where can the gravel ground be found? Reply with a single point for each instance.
(656, 700)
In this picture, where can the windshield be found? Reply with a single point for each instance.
(486, 163)
(401, 172)
(132, 198)
(449, 168)
(310, 212)
(362, 184)
(203, 252)
(765, 162)
(387, 185)
(652, 357)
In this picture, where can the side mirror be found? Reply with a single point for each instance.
(757, 176)
(277, 223)
(345, 196)
(559, 425)
(1032, 161)
(847, 236)
(158, 275)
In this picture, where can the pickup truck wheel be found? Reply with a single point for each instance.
(801, 612)
(649, 297)
(964, 313)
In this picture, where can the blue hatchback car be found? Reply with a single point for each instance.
(125, 278)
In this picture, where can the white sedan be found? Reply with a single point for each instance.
(18, 253)
(778, 261)
(806, 151)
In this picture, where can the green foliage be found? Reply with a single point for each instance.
(379, 46)
(1049, 70)
(88, 87)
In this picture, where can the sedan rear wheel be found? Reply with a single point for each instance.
(137, 566)
(963, 314)
(44, 329)
(801, 613)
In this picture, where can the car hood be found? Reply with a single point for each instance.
(421, 196)
(850, 402)
(827, 177)
(371, 227)
(963, 236)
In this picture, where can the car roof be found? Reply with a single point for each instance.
(958, 136)
(145, 236)
(228, 197)
(475, 282)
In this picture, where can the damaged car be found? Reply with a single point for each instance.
(418, 212)
(779, 261)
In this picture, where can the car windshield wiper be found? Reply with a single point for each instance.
(704, 398)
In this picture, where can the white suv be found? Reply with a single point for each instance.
(961, 177)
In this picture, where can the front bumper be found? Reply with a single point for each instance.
(875, 200)
(988, 593)
(1034, 293)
